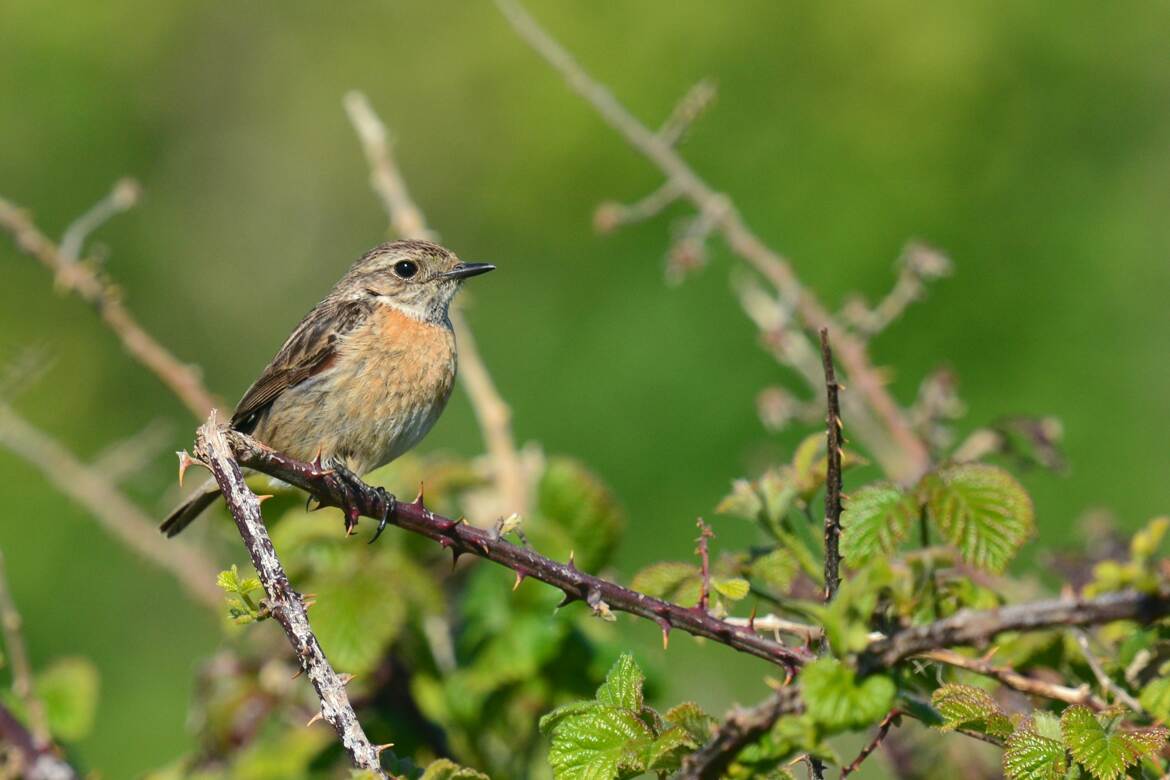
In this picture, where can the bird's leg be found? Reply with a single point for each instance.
(389, 504)
(344, 482)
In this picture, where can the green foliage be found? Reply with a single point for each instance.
(68, 688)
(1029, 756)
(874, 520)
(616, 735)
(1102, 746)
(444, 769)
(242, 606)
(970, 708)
(980, 509)
(837, 700)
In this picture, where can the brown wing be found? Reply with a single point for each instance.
(307, 352)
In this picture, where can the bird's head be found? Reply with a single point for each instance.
(418, 277)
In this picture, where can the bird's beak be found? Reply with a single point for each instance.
(466, 270)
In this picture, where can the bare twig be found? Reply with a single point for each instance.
(833, 475)
(774, 624)
(611, 214)
(22, 677)
(408, 221)
(80, 278)
(697, 100)
(120, 516)
(975, 627)
(917, 265)
(1016, 681)
(704, 553)
(872, 745)
(285, 605)
(25, 757)
(123, 197)
(908, 459)
(1119, 693)
(741, 728)
(338, 488)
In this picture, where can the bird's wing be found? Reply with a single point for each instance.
(307, 352)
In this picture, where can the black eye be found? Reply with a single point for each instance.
(405, 269)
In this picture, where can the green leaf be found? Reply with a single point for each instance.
(577, 501)
(690, 717)
(68, 688)
(982, 510)
(596, 742)
(836, 699)
(1145, 543)
(358, 615)
(665, 754)
(671, 580)
(445, 769)
(1029, 756)
(776, 569)
(623, 685)
(1101, 746)
(810, 466)
(968, 707)
(733, 588)
(1155, 698)
(874, 520)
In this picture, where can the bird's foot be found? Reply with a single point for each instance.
(345, 485)
(389, 504)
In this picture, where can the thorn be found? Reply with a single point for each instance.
(455, 553)
(567, 600)
(752, 620)
(317, 460)
(483, 545)
(789, 673)
(519, 579)
(314, 719)
(665, 625)
(263, 498)
(345, 678)
(297, 674)
(572, 564)
(418, 501)
(185, 462)
(379, 748)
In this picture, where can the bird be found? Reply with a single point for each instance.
(366, 373)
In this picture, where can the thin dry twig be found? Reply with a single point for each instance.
(1016, 681)
(341, 489)
(908, 459)
(286, 606)
(80, 278)
(1106, 682)
(123, 197)
(22, 677)
(120, 516)
(27, 759)
(872, 745)
(917, 265)
(408, 221)
(697, 100)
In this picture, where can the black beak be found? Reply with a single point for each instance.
(467, 270)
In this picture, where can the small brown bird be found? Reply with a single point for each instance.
(365, 374)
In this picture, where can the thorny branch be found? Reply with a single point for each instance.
(80, 278)
(22, 678)
(872, 745)
(833, 474)
(284, 604)
(341, 489)
(742, 728)
(908, 459)
(408, 221)
(120, 516)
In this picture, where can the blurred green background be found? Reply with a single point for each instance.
(1028, 141)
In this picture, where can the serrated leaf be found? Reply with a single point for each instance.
(597, 742)
(358, 615)
(623, 685)
(742, 501)
(68, 689)
(982, 510)
(1155, 698)
(733, 588)
(875, 518)
(445, 769)
(968, 707)
(1046, 725)
(671, 580)
(229, 579)
(690, 717)
(1101, 746)
(776, 569)
(837, 700)
(665, 753)
(1029, 756)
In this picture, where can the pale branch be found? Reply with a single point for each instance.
(81, 278)
(25, 757)
(872, 745)
(833, 472)
(335, 487)
(1106, 682)
(123, 197)
(910, 458)
(976, 627)
(917, 265)
(407, 220)
(116, 513)
(741, 728)
(776, 625)
(284, 604)
(611, 214)
(1016, 681)
(22, 676)
(697, 100)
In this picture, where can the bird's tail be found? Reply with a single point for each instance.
(190, 509)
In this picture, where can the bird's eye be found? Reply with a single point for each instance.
(405, 269)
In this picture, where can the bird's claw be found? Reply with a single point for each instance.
(389, 504)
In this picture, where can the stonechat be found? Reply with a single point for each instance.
(365, 374)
